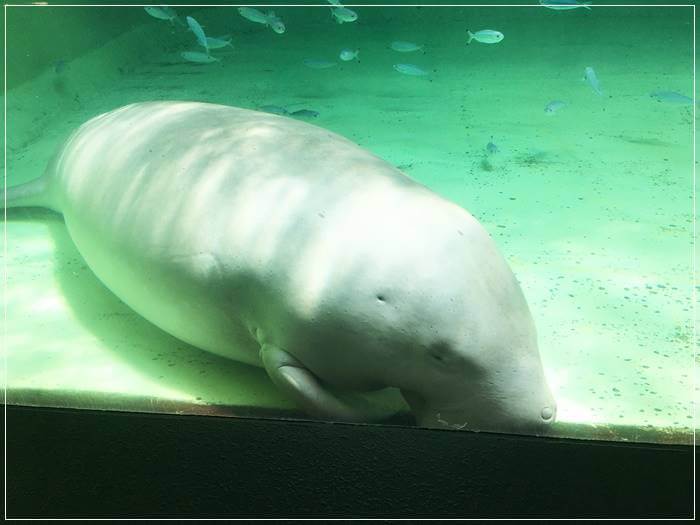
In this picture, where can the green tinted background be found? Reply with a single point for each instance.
(592, 206)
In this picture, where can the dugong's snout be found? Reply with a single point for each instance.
(538, 422)
(489, 409)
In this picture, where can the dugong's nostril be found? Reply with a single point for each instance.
(547, 414)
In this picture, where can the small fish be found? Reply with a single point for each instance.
(671, 97)
(162, 12)
(275, 23)
(60, 66)
(270, 19)
(405, 47)
(562, 5)
(485, 36)
(305, 113)
(277, 110)
(410, 69)
(198, 32)
(590, 77)
(491, 148)
(554, 106)
(318, 64)
(198, 58)
(218, 42)
(343, 14)
(253, 15)
(346, 55)
(335, 2)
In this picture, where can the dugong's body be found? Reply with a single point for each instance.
(282, 245)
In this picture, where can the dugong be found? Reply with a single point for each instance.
(282, 245)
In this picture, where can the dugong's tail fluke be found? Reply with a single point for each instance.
(30, 194)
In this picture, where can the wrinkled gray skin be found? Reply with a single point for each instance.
(280, 244)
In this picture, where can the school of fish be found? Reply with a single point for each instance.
(342, 15)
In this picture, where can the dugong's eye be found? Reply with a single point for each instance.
(440, 352)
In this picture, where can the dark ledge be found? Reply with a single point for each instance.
(86, 463)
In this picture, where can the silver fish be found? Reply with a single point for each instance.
(410, 69)
(343, 14)
(198, 58)
(671, 97)
(562, 5)
(218, 42)
(198, 32)
(277, 110)
(275, 23)
(163, 12)
(485, 36)
(346, 55)
(554, 106)
(318, 64)
(590, 77)
(253, 15)
(405, 47)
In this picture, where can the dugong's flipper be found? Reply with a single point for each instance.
(30, 194)
(303, 387)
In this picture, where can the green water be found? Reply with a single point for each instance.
(592, 206)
